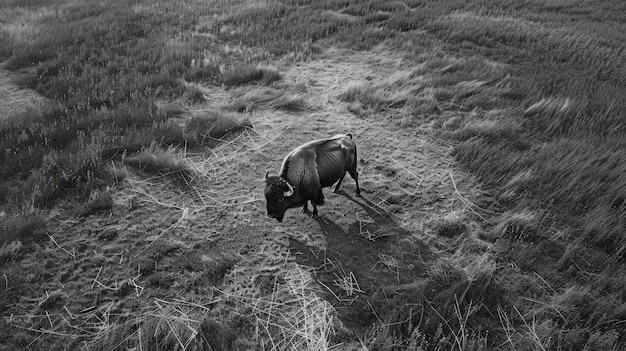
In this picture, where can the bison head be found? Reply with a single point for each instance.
(277, 192)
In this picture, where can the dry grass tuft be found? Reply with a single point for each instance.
(521, 224)
(548, 106)
(294, 318)
(450, 229)
(369, 98)
(270, 98)
(346, 282)
(25, 229)
(166, 325)
(207, 127)
(98, 201)
(162, 162)
(245, 74)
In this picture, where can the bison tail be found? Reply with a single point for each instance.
(350, 135)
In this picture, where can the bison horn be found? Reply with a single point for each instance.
(288, 192)
(267, 174)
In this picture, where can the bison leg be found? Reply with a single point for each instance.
(339, 182)
(305, 209)
(355, 175)
(318, 199)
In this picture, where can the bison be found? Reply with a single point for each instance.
(306, 170)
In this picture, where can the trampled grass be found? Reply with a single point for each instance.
(295, 318)
(163, 162)
(166, 325)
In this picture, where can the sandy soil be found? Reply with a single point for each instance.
(159, 238)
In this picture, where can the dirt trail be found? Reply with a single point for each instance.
(163, 241)
(405, 177)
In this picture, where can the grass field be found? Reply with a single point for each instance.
(529, 94)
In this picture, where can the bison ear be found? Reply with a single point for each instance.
(289, 192)
(267, 174)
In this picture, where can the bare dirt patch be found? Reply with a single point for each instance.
(211, 242)
(407, 179)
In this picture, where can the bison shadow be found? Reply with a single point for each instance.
(360, 266)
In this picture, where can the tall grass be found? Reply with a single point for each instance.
(449, 310)
(104, 65)
(566, 135)
(550, 137)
